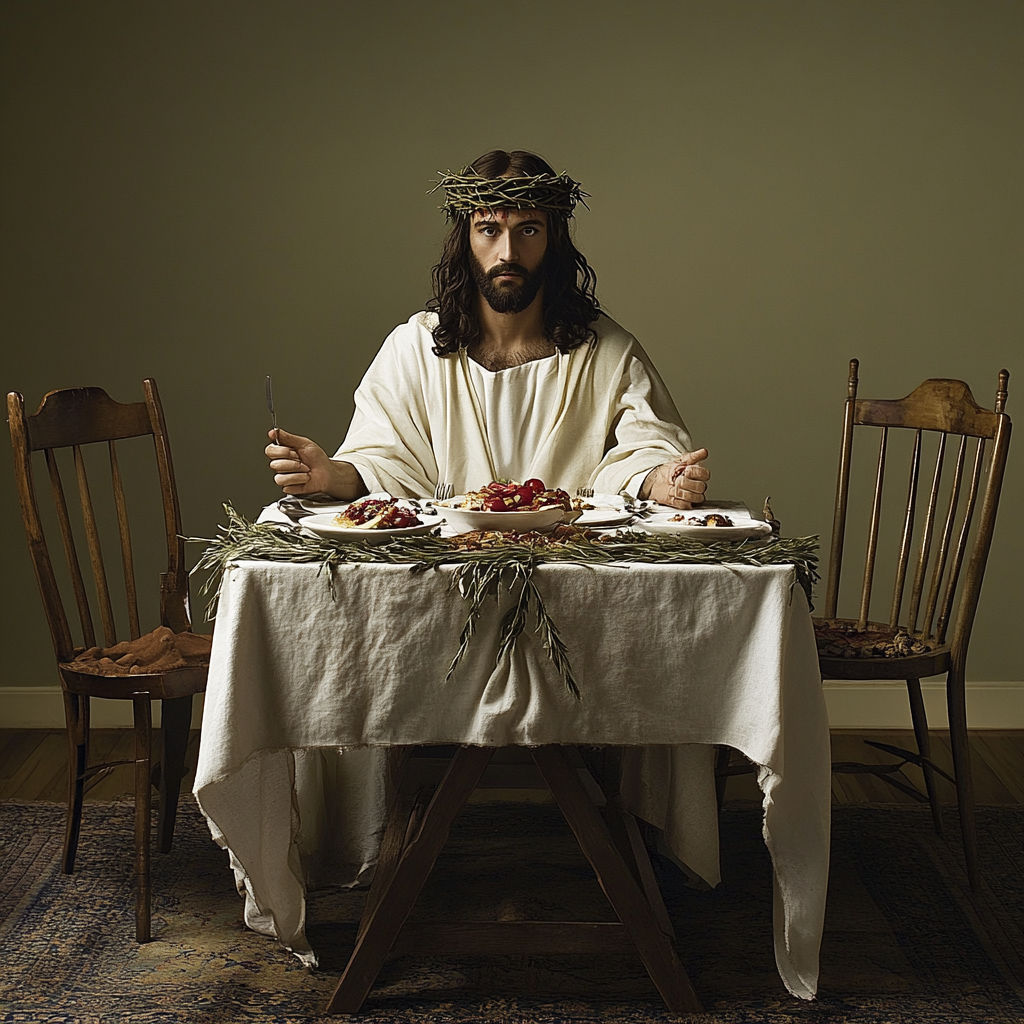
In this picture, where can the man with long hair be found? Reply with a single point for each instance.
(511, 372)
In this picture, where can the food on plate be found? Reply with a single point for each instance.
(509, 496)
(377, 514)
(711, 519)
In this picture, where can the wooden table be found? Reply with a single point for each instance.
(671, 661)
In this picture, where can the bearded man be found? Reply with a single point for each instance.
(512, 371)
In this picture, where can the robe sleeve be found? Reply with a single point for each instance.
(646, 428)
(388, 440)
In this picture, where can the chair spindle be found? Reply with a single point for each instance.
(92, 535)
(876, 514)
(908, 532)
(961, 545)
(842, 493)
(927, 533)
(70, 551)
(942, 555)
(126, 545)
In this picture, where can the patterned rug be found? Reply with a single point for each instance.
(905, 941)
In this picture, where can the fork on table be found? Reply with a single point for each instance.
(443, 491)
(641, 509)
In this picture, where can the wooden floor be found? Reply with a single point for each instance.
(32, 766)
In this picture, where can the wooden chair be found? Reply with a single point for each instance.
(76, 418)
(929, 633)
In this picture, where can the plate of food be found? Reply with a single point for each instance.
(505, 505)
(372, 519)
(707, 525)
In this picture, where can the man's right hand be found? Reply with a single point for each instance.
(301, 466)
(680, 484)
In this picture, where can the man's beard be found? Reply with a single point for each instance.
(508, 297)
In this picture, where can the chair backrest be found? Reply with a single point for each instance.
(74, 419)
(938, 547)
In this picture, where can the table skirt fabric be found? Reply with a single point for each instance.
(307, 690)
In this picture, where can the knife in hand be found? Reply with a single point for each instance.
(270, 408)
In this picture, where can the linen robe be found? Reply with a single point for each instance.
(607, 418)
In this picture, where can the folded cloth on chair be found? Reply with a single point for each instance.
(161, 650)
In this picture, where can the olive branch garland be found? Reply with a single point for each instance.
(479, 574)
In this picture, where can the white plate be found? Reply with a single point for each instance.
(604, 517)
(324, 525)
(661, 523)
(462, 520)
(608, 510)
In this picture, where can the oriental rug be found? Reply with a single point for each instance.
(905, 940)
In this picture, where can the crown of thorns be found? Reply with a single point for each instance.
(465, 192)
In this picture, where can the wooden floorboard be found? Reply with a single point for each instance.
(26, 778)
(18, 748)
(1005, 754)
(997, 762)
(33, 764)
(33, 767)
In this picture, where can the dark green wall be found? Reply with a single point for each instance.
(205, 192)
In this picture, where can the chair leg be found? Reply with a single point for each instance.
(76, 717)
(176, 717)
(920, 717)
(143, 803)
(956, 704)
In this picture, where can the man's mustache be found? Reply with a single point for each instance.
(507, 268)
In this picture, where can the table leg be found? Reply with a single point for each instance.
(605, 765)
(618, 884)
(400, 891)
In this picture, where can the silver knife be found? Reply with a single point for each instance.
(270, 408)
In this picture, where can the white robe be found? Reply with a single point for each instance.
(598, 416)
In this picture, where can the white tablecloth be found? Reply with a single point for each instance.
(307, 691)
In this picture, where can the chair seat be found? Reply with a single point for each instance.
(179, 682)
(162, 663)
(879, 651)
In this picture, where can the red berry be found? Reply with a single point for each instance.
(535, 485)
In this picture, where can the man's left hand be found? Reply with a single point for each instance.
(681, 483)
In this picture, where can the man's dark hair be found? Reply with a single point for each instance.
(570, 302)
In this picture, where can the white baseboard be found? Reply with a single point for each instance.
(851, 705)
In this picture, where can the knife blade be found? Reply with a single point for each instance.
(270, 407)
